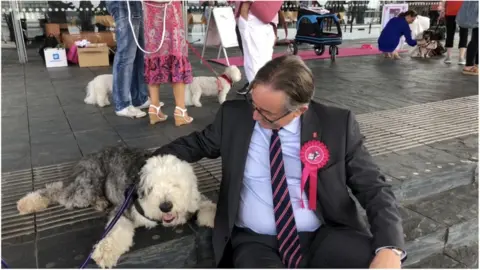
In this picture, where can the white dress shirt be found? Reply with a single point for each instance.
(256, 200)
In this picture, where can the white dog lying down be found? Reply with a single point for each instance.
(166, 193)
(99, 89)
(211, 86)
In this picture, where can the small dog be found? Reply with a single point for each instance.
(166, 192)
(428, 45)
(99, 89)
(211, 86)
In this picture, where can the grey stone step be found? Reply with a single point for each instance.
(417, 174)
(426, 170)
(444, 225)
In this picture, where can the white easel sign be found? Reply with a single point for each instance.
(221, 25)
(391, 11)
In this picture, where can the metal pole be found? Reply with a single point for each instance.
(18, 32)
(210, 15)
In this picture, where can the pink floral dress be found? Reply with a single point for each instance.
(170, 64)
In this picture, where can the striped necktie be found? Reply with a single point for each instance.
(287, 235)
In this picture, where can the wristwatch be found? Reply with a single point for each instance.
(397, 251)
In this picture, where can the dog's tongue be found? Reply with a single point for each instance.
(167, 217)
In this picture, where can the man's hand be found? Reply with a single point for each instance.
(386, 258)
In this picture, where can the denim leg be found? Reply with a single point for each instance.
(126, 50)
(138, 89)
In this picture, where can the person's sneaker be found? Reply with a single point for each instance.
(144, 105)
(462, 61)
(448, 60)
(243, 90)
(131, 112)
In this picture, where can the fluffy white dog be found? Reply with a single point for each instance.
(99, 89)
(166, 192)
(211, 86)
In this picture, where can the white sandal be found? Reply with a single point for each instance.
(154, 117)
(181, 119)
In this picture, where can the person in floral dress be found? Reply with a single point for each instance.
(170, 63)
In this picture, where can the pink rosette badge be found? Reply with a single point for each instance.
(314, 155)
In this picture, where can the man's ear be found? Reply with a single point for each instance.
(301, 111)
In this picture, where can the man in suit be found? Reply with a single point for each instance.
(266, 217)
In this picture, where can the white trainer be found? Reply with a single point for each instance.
(144, 105)
(131, 112)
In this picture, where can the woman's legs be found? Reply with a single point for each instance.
(472, 54)
(450, 25)
(154, 111)
(181, 116)
(462, 44)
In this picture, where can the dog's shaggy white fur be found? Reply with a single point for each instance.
(166, 193)
(208, 86)
(99, 89)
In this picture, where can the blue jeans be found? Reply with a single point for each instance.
(129, 86)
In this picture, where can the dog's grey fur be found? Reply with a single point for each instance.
(100, 179)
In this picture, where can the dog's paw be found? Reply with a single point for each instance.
(206, 213)
(32, 202)
(197, 104)
(105, 254)
(101, 204)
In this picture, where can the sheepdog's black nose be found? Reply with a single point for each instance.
(166, 206)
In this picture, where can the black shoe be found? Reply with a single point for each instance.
(243, 90)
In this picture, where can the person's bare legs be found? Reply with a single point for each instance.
(181, 115)
(396, 55)
(154, 111)
(461, 57)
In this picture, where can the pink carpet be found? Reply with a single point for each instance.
(306, 55)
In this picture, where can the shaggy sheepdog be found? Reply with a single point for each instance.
(99, 89)
(166, 192)
(211, 86)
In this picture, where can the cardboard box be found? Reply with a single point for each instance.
(55, 57)
(101, 37)
(94, 55)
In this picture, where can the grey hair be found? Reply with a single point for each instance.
(290, 75)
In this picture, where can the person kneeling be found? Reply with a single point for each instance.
(393, 31)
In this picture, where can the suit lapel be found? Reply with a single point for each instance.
(238, 168)
(311, 126)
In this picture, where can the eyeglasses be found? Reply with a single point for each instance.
(248, 98)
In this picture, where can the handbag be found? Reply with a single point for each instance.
(467, 16)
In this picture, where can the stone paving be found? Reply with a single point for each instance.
(428, 152)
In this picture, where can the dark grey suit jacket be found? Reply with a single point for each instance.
(350, 165)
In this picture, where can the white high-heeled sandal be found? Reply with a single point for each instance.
(156, 118)
(181, 119)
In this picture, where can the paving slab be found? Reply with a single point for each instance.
(462, 242)
(437, 261)
(457, 209)
(423, 171)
